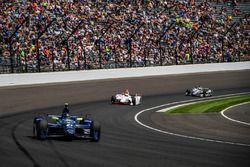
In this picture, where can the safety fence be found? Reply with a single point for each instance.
(79, 35)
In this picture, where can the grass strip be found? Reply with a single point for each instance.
(216, 105)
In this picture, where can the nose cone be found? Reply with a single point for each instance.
(70, 131)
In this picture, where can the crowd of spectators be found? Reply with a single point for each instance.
(82, 34)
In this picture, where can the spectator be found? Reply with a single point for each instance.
(161, 32)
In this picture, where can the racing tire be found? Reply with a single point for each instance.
(211, 94)
(134, 101)
(202, 94)
(41, 129)
(140, 100)
(113, 99)
(95, 131)
(187, 93)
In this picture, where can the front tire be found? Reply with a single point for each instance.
(113, 99)
(96, 131)
(202, 95)
(187, 93)
(40, 129)
(211, 93)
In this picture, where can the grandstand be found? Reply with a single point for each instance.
(47, 35)
(237, 12)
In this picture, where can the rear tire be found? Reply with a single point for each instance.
(134, 101)
(140, 100)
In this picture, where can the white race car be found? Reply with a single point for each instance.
(199, 92)
(126, 99)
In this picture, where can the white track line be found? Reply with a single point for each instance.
(234, 120)
(193, 101)
(185, 136)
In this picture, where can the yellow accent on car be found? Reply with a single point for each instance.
(55, 118)
(79, 119)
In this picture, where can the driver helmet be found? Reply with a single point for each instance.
(67, 116)
(66, 104)
(126, 92)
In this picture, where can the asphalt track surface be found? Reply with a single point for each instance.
(124, 143)
(236, 113)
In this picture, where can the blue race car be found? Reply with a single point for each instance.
(66, 126)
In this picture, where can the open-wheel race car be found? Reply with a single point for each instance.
(199, 92)
(126, 98)
(66, 126)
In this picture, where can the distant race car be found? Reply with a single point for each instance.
(125, 98)
(69, 127)
(199, 92)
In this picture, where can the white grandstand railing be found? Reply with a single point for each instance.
(56, 77)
